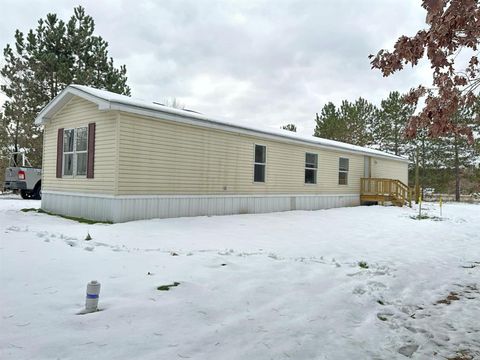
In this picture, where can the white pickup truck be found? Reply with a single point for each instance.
(21, 176)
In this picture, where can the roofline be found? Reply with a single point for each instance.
(139, 110)
(189, 118)
(63, 98)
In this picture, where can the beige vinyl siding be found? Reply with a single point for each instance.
(164, 157)
(390, 169)
(139, 155)
(78, 113)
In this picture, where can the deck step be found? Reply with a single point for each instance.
(385, 191)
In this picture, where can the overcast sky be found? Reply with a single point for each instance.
(253, 62)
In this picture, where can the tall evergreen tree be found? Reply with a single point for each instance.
(455, 150)
(42, 63)
(329, 125)
(290, 127)
(358, 117)
(390, 122)
(351, 123)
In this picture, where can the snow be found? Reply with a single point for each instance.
(266, 286)
(137, 104)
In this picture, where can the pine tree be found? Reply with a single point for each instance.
(329, 125)
(351, 123)
(457, 153)
(44, 62)
(290, 127)
(358, 118)
(390, 122)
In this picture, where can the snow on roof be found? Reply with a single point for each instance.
(109, 100)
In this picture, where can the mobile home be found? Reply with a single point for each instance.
(109, 157)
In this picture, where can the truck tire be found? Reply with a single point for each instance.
(37, 192)
(25, 194)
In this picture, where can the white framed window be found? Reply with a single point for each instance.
(343, 164)
(311, 166)
(260, 163)
(75, 148)
(68, 153)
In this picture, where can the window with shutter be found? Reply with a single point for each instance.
(74, 155)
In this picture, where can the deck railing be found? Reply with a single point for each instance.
(382, 190)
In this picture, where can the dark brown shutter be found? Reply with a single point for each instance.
(59, 152)
(91, 150)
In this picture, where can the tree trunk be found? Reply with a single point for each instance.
(417, 171)
(422, 179)
(395, 139)
(457, 170)
(15, 145)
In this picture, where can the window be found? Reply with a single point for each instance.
(75, 152)
(260, 163)
(311, 162)
(343, 171)
(81, 151)
(68, 137)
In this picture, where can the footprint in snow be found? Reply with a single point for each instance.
(359, 290)
(226, 252)
(71, 243)
(384, 316)
(355, 273)
(376, 285)
(65, 237)
(101, 244)
(17, 229)
(408, 350)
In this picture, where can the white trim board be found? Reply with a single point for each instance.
(203, 196)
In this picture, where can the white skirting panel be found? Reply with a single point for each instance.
(85, 206)
(127, 208)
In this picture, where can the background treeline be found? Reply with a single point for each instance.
(449, 164)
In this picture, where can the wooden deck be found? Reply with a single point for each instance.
(381, 191)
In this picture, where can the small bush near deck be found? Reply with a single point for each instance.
(363, 264)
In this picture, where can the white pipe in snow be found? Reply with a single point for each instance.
(93, 292)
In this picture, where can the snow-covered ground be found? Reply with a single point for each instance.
(270, 286)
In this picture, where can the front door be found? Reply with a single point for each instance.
(366, 168)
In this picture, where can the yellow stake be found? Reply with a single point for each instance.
(440, 205)
(420, 205)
